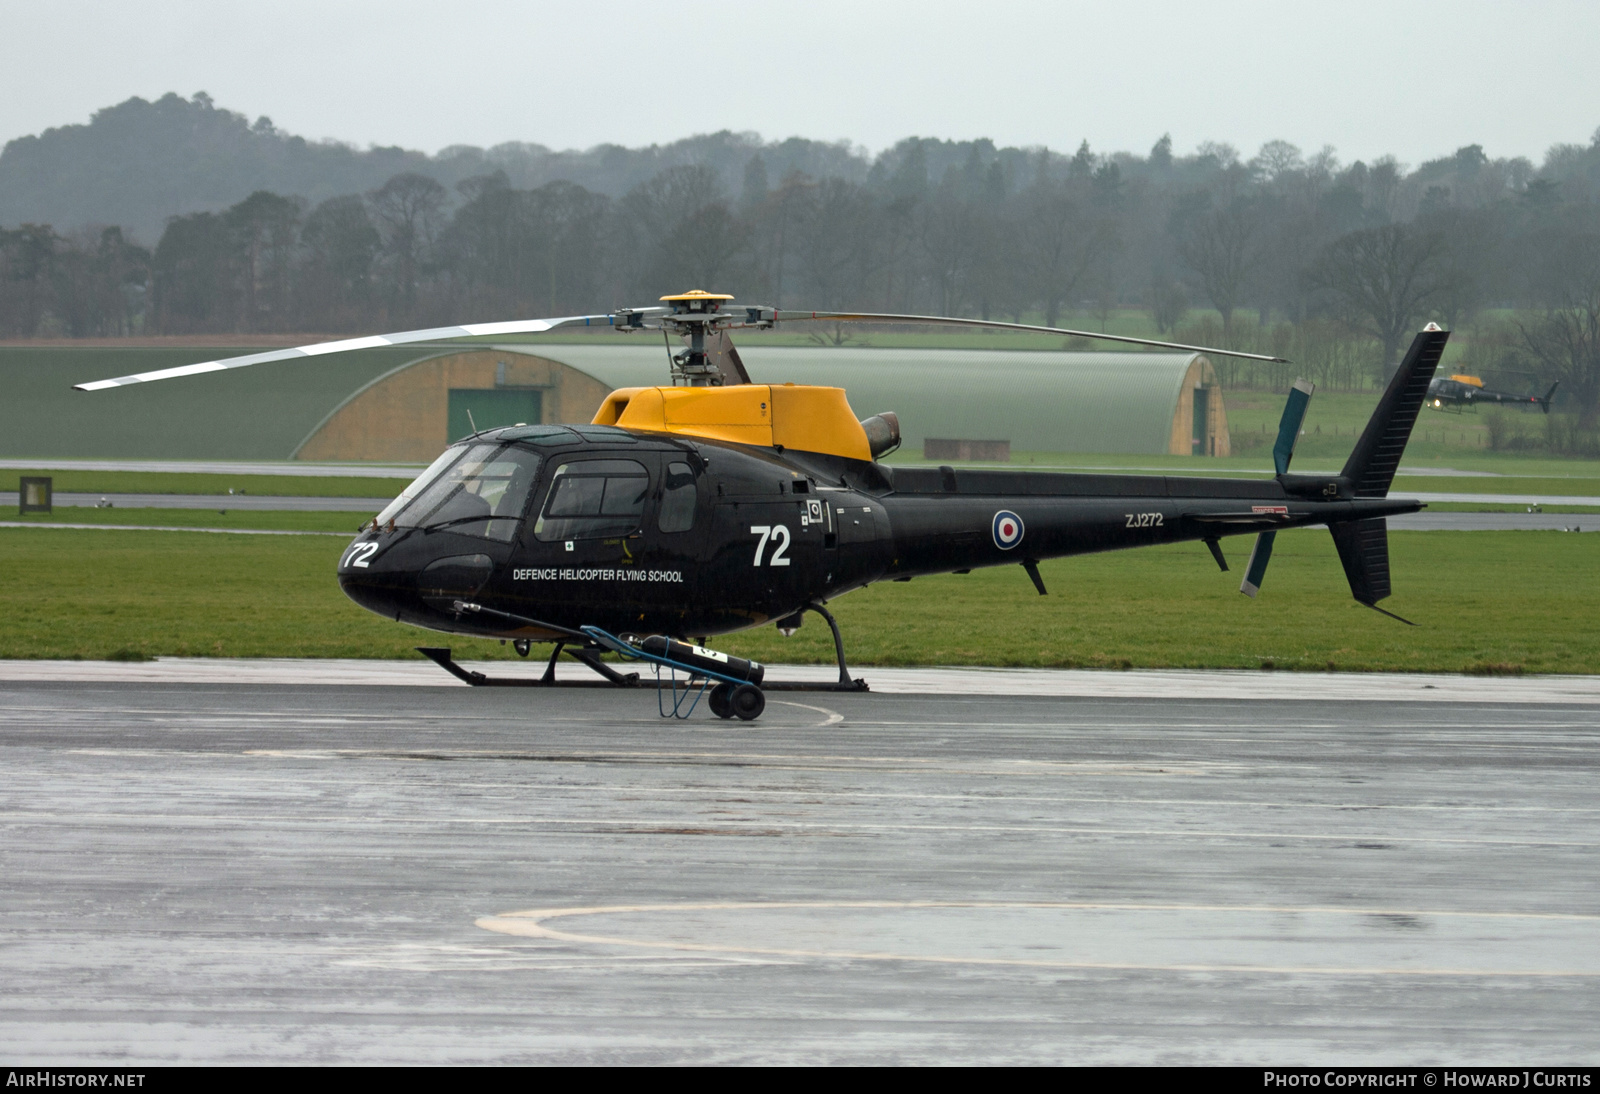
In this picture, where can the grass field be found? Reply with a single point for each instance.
(1486, 602)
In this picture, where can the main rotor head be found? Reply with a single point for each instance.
(708, 358)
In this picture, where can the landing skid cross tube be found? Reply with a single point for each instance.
(845, 683)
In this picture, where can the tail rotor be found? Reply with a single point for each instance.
(1289, 426)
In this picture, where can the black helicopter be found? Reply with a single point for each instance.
(718, 504)
(1462, 392)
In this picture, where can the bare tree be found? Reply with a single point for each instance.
(1060, 245)
(28, 260)
(951, 232)
(685, 235)
(833, 242)
(261, 231)
(1565, 340)
(1383, 281)
(407, 209)
(102, 288)
(774, 219)
(1276, 159)
(340, 247)
(1168, 303)
(1218, 250)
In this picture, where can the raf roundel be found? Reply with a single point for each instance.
(1007, 529)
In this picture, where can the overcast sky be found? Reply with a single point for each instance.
(1415, 78)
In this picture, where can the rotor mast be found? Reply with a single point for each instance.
(695, 314)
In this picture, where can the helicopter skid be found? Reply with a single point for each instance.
(799, 685)
(440, 655)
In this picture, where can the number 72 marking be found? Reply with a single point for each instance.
(779, 535)
(360, 555)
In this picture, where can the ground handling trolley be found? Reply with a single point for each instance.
(734, 684)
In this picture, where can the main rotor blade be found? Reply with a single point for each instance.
(436, 334)
(879, 317)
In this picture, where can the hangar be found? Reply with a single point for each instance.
(1044, 402)
(406, 403)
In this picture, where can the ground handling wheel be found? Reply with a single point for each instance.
(718, 699)
(747, 702)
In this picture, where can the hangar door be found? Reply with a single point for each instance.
(492, 407)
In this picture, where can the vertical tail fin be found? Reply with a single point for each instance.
(1544, 404)
(1363, 545)
(1373, 462)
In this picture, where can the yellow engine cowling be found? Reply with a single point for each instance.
(797, 416)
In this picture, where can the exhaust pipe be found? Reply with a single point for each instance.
(883, 433)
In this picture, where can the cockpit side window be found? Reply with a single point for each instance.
(677, 499)
(594, 499)
(481, 490)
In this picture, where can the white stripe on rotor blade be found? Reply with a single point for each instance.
(348, 344)
(317, 349)
(181, 370)
(521, 326)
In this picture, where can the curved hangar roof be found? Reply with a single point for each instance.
(1039, 401)
(405, 403)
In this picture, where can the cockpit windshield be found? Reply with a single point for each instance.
(476, 490)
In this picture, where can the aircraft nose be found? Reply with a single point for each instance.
(376, 574)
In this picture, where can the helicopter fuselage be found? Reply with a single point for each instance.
(645, 533)
(1455, 394)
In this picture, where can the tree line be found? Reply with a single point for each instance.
(1331, 264)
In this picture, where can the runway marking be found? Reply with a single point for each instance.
(531, 924)
(781, 797)
(768, 827)
(758, 759)
(834, 717)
